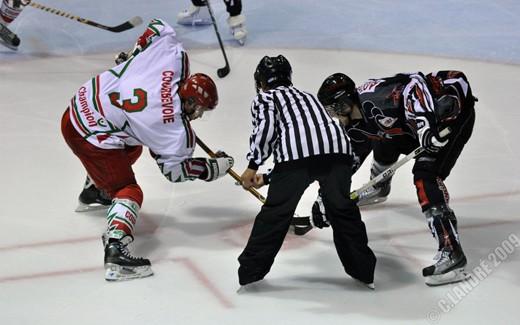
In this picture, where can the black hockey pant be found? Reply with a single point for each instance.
(430, 170)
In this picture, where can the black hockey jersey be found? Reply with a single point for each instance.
(405, 104)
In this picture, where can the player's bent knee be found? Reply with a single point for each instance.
(132, 192)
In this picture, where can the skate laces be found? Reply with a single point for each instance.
(104, 195)
(437, 256)
(88, 183)
(443, 255)
(126, 252)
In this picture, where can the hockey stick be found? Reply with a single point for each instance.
(231, 172)
(222, 72)
(358, 194)
(301, 225)
(129, 24)
(390, 171)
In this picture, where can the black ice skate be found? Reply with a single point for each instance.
(8, 38)
(92, 198)
(449, 268)
(120, 265)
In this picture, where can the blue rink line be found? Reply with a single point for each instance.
(470, 29)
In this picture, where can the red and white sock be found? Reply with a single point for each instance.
(10, 9)
(122, 217)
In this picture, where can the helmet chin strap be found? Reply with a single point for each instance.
(197, 112)
(192, 110)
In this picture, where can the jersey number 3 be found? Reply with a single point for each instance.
(127, 104)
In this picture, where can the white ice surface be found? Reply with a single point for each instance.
(51, 270)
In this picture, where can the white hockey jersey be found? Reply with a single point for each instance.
(136, 102)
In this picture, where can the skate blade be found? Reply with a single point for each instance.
(195, 23)
(82, 207)
(249, 288)
(370, 286)
(454, 276)
(114, 272)
(9, 46)
(372, 201)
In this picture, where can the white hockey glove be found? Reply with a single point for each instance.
(430, 142)
(217, 167)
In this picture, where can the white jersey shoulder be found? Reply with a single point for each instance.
(136, 102)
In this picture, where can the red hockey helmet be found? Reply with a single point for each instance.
(201, 89)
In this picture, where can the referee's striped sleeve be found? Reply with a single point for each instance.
(263, 135)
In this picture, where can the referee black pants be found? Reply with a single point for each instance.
(287, 186)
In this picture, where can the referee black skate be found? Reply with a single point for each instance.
(307, 146)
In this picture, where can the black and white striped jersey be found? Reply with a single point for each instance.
(292, 124)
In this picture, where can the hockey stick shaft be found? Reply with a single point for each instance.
(231, 172)
(222, 72)
(390, 171)
(116, 29)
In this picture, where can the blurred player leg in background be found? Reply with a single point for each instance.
(9, 10)
(198, 14)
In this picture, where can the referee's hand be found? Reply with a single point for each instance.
(248, 178)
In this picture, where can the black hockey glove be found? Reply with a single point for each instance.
(20, 3)
(121, 57)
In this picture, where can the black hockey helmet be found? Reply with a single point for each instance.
(338, 94)
(273, 72)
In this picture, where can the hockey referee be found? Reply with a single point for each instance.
(307, 145)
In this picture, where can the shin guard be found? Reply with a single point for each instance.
(443, 226)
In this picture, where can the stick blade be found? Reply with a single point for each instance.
(222, 72)
(135, 21)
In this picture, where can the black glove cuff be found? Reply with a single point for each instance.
(252, 165)
(267, 179)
